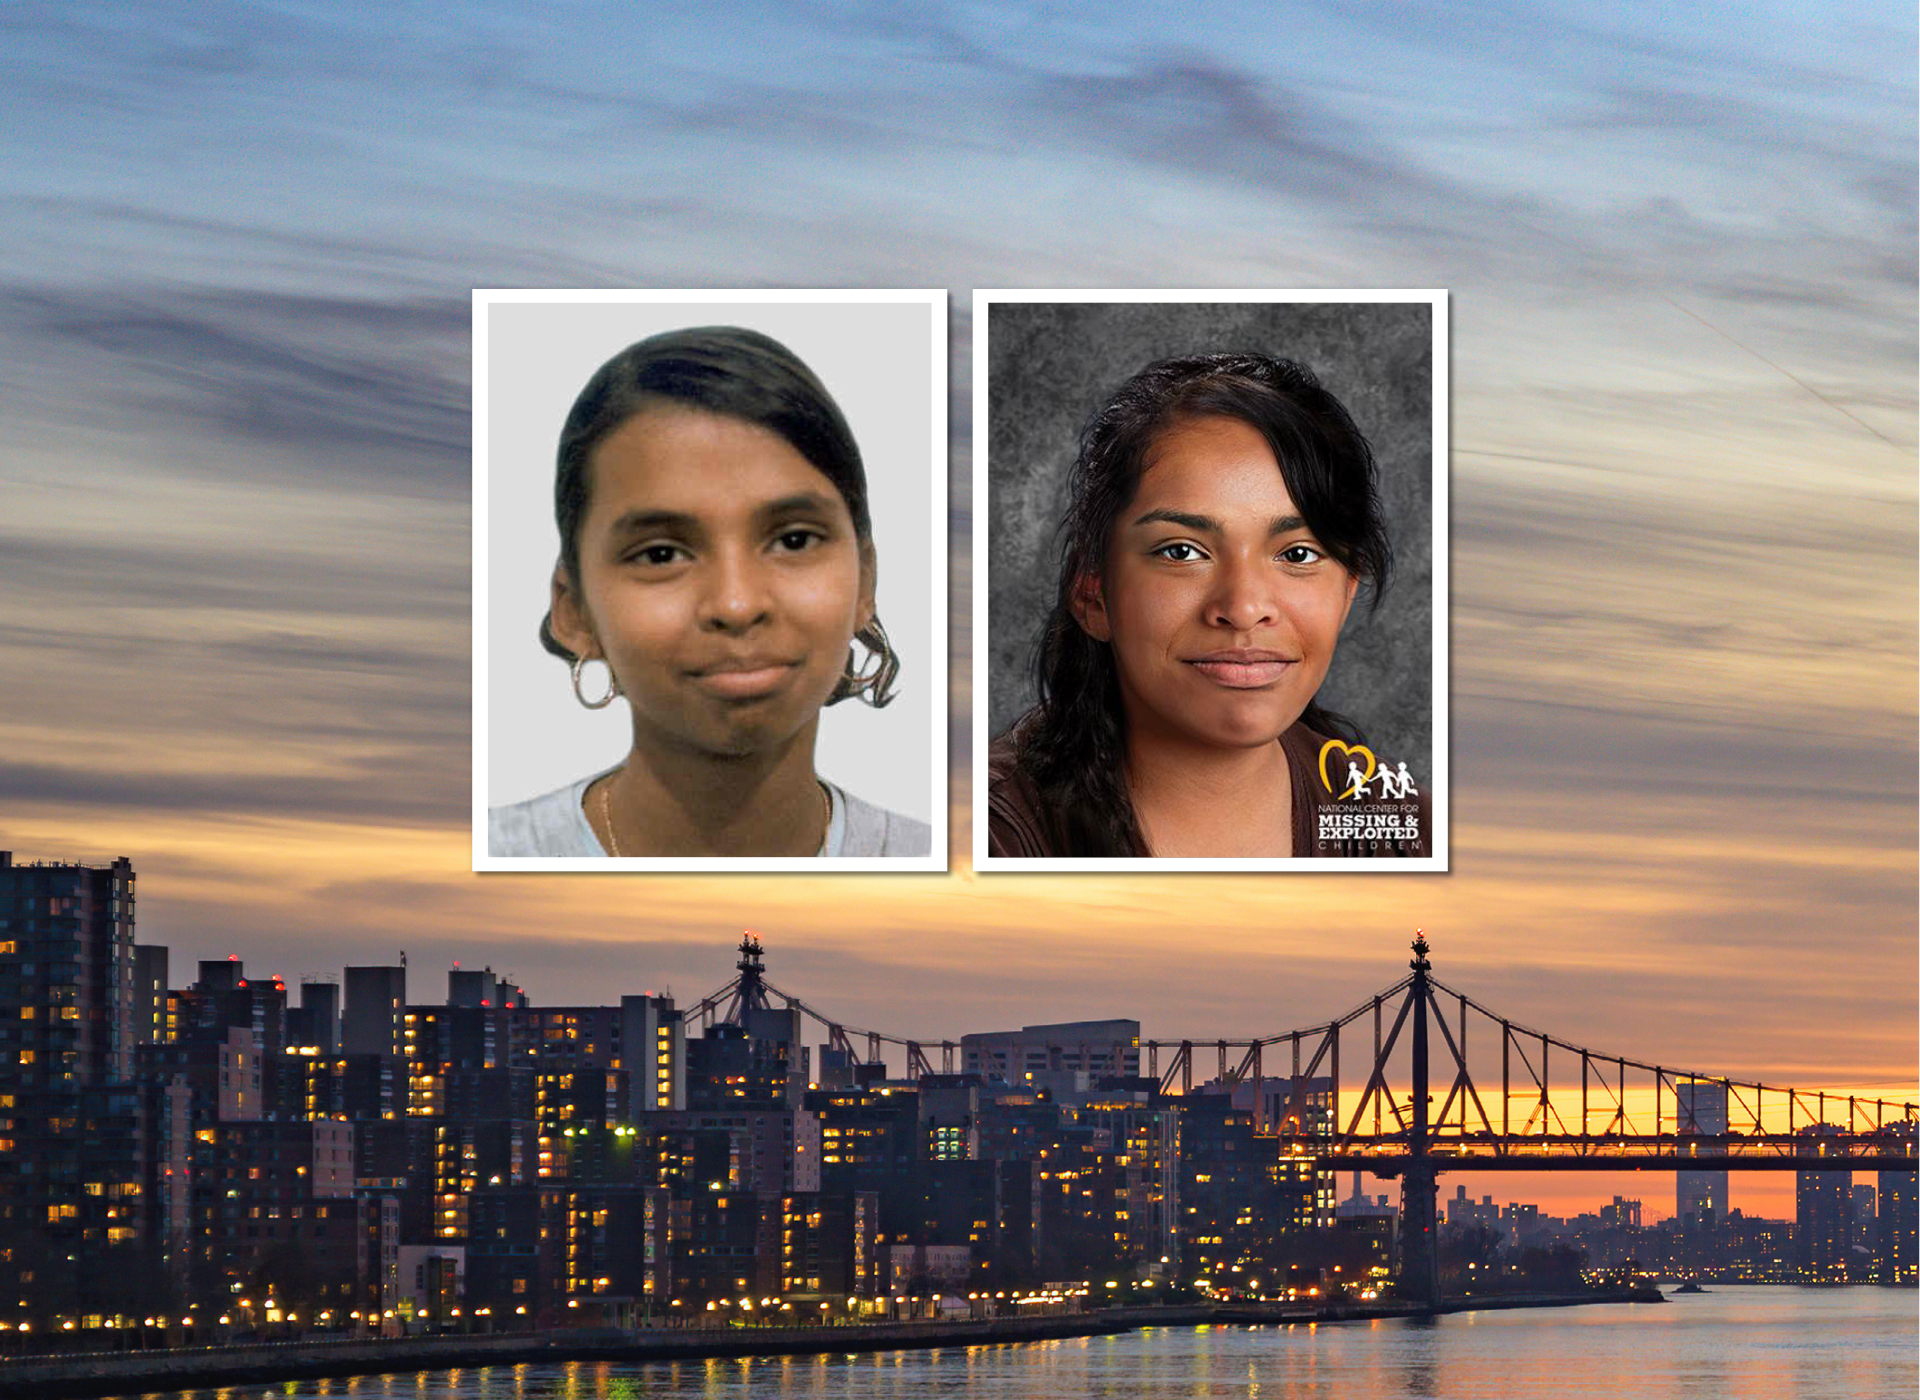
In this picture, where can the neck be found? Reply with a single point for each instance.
(1200, 800)
(681, 802)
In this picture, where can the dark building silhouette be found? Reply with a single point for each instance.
(91, 1215)
(315, 1023)
(150, 1023)
(374, 1015)
(66, 959)
(1895, 1228)
(1823, 1209)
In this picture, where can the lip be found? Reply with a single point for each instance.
(1243, 669)
(743, 677)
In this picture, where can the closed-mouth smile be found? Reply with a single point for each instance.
(1243, 669)
(743, 677)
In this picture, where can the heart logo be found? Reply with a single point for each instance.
(1351, 750)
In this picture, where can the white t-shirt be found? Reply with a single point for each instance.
(555, 824)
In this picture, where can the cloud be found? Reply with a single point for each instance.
(359, 384)
(387, 790)
(242, 576)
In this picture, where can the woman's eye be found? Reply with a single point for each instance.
(1301, 554)
(1178, 552)
(658, 555)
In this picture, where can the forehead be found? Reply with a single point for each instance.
(684, 460)
(1220, 466)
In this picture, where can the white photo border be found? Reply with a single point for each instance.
(931, 678)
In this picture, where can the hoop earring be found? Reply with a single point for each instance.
(613, 685)
(873, 683)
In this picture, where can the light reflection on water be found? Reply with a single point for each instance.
(1731, 1344)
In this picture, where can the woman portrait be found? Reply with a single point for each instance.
(713, 584)
(1226, 536)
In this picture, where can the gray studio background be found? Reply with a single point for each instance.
(1050, 365)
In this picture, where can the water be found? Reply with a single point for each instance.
(1730, 1344)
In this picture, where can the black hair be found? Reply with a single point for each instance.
(736, 373)
(1073, 746)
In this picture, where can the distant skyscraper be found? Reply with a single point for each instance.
(1896, 1224)
(221, 974)
(1093, 1048)
(468, 986)
(729, 1066)
(1700, 1110)
(1293, 1109)
(66, 975)
(1861, 1216)
(225, 997)
(318, 1018)
(85, 1155)
(376, 1007)
(150, 995)
(653, 1050)
(1823, 1208)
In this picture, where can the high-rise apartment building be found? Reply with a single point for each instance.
(66, 975)
(643, 1035)
(374, 1017)
(1300, 1112)
(150, 1024)
(1098, 1049)
(315, 1023)
(1895, 1228)
(89, 1163)
(1143, 1140)
(1823, 1208)
(1700, 1110)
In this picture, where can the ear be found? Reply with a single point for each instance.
(1089, 607)
(869, 578)
(1353, 587)
(572, 627)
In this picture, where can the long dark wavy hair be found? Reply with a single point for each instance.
(1073, 746)
(736, 373)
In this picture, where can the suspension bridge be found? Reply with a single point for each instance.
(1446, 1084)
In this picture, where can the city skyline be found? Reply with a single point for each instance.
(1769, 1194)
(1680, 263)
(187, 1153)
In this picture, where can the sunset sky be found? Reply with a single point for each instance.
(234, 530)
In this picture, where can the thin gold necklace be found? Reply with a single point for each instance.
(613, 838)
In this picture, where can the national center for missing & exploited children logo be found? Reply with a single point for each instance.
(1374, 804)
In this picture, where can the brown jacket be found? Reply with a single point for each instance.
(1021, 824)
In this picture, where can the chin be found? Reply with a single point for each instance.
(1245, 731)
(719, 736)
(1244, 738)
(745, 742)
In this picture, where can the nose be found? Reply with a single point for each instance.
(737, 597)
(1242, 598)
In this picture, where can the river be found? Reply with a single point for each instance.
(1732, 1343)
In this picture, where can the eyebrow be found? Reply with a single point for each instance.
(635, 521)
(1279, 526)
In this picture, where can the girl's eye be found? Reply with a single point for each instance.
(1178, 552)
(1301, 554)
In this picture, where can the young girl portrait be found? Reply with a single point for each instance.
(735, 604)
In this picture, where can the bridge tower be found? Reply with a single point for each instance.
(750, 988)
(1420, 1187)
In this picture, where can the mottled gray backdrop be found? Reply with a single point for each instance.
(1050, 365)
